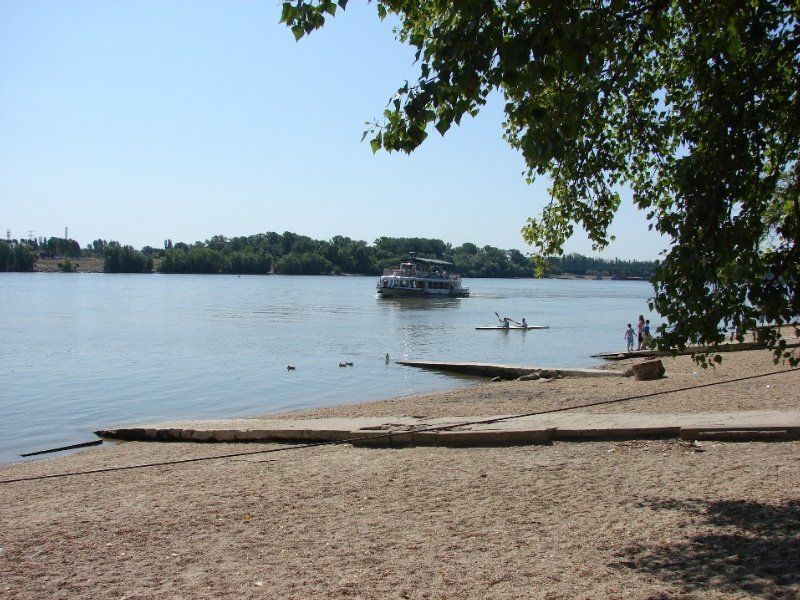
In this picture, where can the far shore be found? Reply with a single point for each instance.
(637, 519)
(95, 265)
(84, 265)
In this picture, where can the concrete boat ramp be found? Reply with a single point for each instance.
(506, 371)
(478, 431)
(791, 342)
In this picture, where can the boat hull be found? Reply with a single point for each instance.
(395, 292)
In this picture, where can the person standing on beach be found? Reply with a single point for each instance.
(640, 331)
(629, 337)
(647, 342)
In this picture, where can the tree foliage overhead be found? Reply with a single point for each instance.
(692, 104)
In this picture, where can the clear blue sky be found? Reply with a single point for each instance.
(145, 120)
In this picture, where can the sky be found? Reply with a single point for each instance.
(139, 121)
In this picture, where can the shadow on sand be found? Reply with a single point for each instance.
(749, 549)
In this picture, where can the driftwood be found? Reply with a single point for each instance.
(71, 447)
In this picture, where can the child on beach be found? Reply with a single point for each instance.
(629, 334)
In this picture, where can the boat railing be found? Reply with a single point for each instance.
(420, 274)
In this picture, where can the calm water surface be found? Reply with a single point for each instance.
(85, 351)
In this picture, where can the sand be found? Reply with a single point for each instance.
(84, 265)
(639, 519)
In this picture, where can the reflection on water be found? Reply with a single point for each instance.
(424, 304)
(86, 351)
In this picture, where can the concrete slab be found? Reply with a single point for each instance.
(791, 342)
(504, 371)
(477, 431)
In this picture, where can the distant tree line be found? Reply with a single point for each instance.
(125, 259)
(16, 256)
(52, 247)
(21, 255)
(293, 254)
(577, 264)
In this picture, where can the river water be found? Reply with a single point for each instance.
(85, 351)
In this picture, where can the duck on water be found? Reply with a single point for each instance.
(421, 278)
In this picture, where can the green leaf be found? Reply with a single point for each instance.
(287, 12)
(298, 32)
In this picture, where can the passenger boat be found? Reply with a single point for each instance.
(421, 278)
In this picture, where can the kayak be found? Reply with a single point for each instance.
(501, 328)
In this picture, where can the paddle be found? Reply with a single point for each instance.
(502, 321)
(512, 320)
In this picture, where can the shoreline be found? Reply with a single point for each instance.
(635, 519)
(509, 397)
(462, 382)
(95, 265)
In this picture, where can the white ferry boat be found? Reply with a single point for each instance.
(421, 278)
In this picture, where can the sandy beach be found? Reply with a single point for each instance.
(653, 519)
(82, 265)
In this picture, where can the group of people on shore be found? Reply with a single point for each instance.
(642, 335)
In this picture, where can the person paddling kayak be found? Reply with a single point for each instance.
(505, 322)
